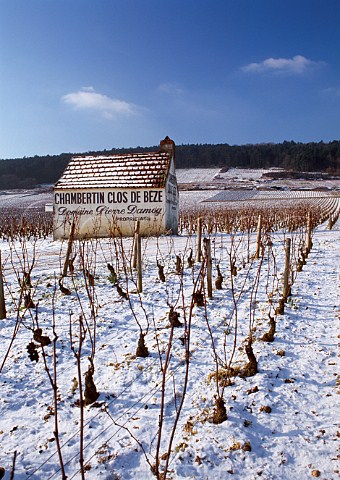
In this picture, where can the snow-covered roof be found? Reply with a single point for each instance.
(133, 170)
(140, 170)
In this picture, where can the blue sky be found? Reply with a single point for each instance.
(80, 75)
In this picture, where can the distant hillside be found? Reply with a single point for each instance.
(28, 172)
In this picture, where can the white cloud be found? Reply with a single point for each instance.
(297, 64)
(334, 91)
(88, 99)
(170, 89)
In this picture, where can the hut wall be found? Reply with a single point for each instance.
(109, 212)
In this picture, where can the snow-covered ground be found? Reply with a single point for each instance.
(29, 200)
(246, 178)
(23, 199)
(193, 175)
(199, 185)
(283, 423)
(197, 175)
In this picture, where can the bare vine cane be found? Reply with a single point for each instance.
(3, 312)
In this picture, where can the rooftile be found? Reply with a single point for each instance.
(138, 170)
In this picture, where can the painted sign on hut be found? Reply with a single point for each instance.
(105, 195)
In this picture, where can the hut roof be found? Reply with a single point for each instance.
(134, 170)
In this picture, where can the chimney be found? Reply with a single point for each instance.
(167, 145)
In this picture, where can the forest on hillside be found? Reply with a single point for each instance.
(28, 172)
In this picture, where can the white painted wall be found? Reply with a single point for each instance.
(171, 200)
(111, 212)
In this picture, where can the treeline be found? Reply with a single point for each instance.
(302, 157)
(28, 172)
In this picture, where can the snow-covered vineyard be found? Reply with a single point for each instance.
(234, 376)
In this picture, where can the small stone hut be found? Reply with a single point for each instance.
(105, 195)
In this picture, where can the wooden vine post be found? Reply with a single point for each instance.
(138, 256)
(207, 252)
(134, 249)
(309, 234)
(258, 238)
(2, 296)
(69, 248)
(286, 285)
(191, 228)
(199, 240)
